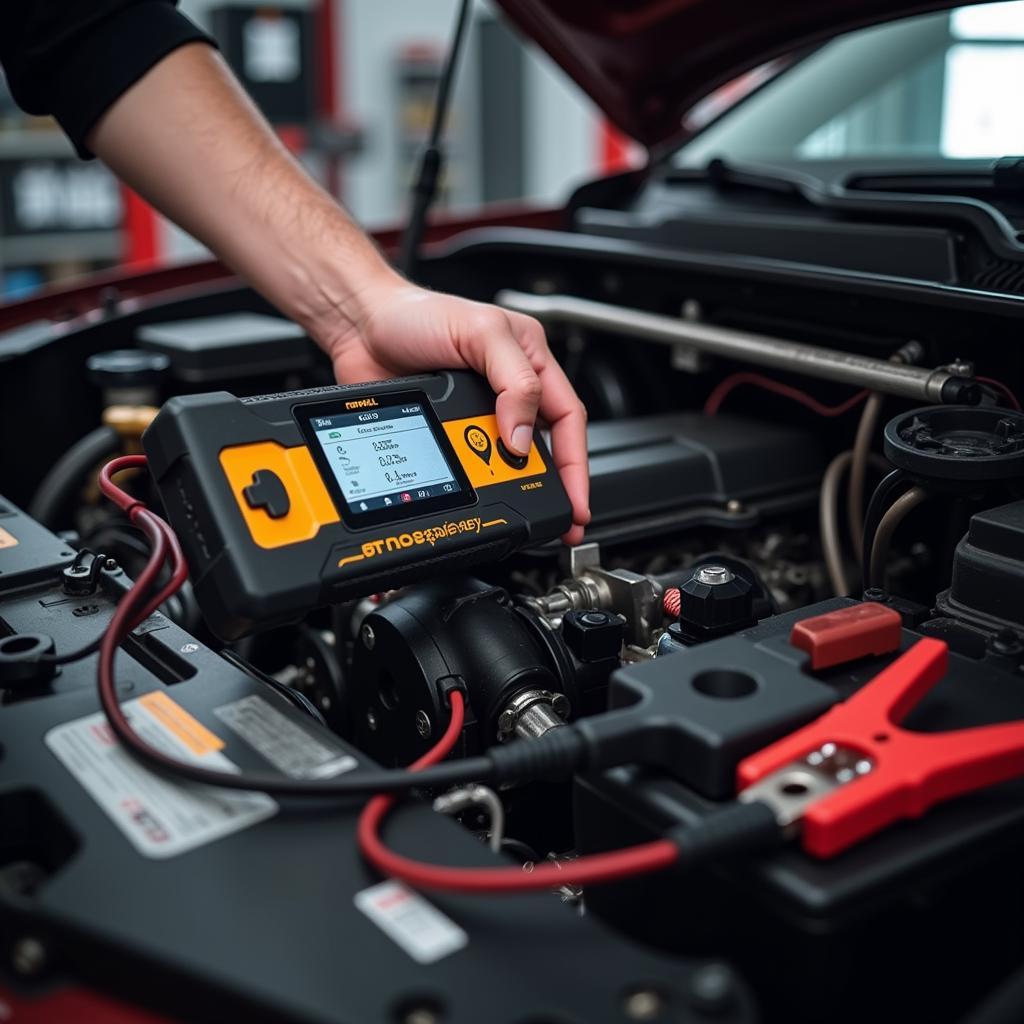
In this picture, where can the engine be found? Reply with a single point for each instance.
(749, 570)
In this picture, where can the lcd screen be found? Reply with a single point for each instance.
(387, 460)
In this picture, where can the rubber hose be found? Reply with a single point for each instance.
(831, 544)
(897, 512)
(888, 489)
(69, 473)
(859, 468)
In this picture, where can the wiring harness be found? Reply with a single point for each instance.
(733, 828)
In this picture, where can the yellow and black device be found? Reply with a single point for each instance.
(290, 501)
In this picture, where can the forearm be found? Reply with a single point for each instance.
(188, 139)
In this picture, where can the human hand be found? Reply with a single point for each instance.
(399, 329)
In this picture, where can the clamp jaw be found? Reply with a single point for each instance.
(854, 770)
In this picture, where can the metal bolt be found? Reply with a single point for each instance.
(423, 726)
(368, 636)
(420, 1015)
(371, 720)
(644, 1004)
(712, 989)
(110, 564)
(692, 311)
(28, 956)
(714, 575)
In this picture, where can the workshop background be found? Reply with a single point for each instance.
(349, 85)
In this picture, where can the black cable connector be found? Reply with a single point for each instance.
(734, 828)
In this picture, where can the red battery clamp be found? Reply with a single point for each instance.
(854, 770)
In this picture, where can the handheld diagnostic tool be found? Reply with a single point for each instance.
(289, 501)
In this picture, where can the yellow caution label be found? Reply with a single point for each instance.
(175, 718)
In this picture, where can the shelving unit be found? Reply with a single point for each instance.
(59, 216)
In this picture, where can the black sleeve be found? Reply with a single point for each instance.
(74, 58)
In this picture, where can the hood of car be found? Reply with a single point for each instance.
(645, 63)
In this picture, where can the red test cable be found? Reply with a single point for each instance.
(592, 869)
(726, 387)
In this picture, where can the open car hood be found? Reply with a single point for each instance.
(646, 62)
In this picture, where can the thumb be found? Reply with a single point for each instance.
(493, 350)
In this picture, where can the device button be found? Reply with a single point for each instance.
(849, 633)
(268, 493)
(510, 458)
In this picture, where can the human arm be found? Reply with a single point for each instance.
(184, 134)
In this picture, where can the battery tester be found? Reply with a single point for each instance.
(288, 501)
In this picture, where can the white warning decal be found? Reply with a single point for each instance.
(407, 918)
(159, 817)
(288, 746)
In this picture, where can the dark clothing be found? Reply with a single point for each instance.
(74, 58)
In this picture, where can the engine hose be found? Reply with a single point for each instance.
(859, 466)
(831, 544)
(885, 493)
(69, 474)
(897, 512)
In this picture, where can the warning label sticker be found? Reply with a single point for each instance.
(289, 747)
(160, 818)
(417, 926)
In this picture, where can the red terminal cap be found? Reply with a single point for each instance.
(848, 634)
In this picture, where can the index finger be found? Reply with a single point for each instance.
(567, 415)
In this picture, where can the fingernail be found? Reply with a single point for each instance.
(521, 438)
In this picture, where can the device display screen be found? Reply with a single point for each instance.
(385, 457)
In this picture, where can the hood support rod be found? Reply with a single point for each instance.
(941, 385)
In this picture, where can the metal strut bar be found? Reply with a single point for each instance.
(940, 385)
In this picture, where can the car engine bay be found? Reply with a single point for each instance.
(799, 475)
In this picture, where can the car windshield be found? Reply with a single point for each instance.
(944, 86)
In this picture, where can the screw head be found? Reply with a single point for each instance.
(423, 726)
(712, 989)
(367, 635)
(643, 1004)
(714, 575)
(28, 956)
(421, 1015)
